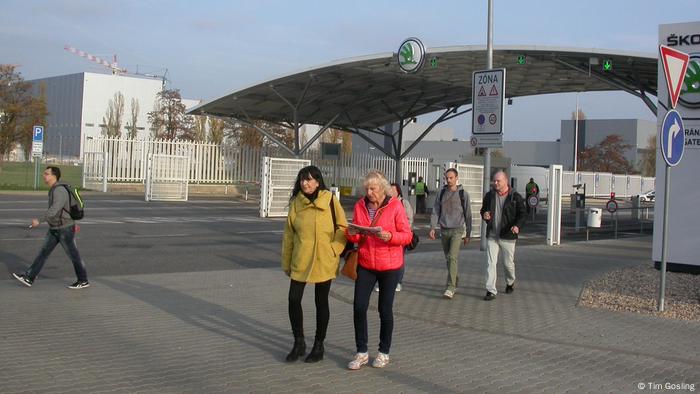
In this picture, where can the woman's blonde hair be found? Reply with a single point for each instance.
(378, 177)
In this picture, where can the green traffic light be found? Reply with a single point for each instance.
(607, 65)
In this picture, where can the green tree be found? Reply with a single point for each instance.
(114, 117)
(34, 114)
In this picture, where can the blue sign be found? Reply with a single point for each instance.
(38, 135)
(672, 138)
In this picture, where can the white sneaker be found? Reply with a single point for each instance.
(448, 294)
(358, 361)
(398, 287)
(381, 361)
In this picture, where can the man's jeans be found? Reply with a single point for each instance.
(451, 242)
(66, 237)
(503, 250)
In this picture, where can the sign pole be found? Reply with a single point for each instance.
(664, 239)
(36, 172)
(487, 151)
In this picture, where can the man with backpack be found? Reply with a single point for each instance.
(453, 214)
(64, 206)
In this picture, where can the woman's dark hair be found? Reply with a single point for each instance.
(397, 188)
(310, 172)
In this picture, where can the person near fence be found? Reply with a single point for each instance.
(380, 260)
(531, 189)
(62, 231)
(314, 238)
(452, 214)
(421, 193)
(503, 210)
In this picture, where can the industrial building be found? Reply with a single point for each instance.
(77, 104)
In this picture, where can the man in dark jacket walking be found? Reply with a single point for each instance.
(61, 230)
(503, 210)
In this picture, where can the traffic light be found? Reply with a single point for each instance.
(521, 59)
(607, 65)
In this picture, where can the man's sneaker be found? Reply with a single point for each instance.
(381, 361)
(358, 361)
(509, 289)
(23, 279)
(489, 296)
(80, 284)
(398, 287)
(448, 294)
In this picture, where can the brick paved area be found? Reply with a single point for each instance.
(228, 331)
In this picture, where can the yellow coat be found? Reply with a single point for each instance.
(311, 247)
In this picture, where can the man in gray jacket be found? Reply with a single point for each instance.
(61, 230)
(453, 214)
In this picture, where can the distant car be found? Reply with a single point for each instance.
(648, 196)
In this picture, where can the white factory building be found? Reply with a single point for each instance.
(77, 104)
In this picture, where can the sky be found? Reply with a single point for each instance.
(211, 48)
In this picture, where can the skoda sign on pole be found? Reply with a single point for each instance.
(671, 141)
(411, 55)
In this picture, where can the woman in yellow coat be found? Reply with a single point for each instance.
(314, 238)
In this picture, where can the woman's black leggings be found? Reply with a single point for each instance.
(296, 314)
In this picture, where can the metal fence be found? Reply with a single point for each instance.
(220, 164)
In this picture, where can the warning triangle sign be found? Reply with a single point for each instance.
(675, 64)
(494, 91)
(482, 92)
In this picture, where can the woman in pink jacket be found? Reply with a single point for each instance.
(380, 260)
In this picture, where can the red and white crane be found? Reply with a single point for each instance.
(111, 65)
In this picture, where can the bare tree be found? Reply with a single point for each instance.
(132, 127)
(112, 121)
(648, 163)
(607, 156)
(216, 130)
(168, 119)
(18, 110)
(199, 131)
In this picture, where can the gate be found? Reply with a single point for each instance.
(471, 177)
(167, 178)
(278, 176)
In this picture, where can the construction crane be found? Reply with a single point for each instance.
(111, 65)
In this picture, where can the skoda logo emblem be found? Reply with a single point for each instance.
(690, 91)
(411, 55)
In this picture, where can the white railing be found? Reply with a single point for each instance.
(217, 164)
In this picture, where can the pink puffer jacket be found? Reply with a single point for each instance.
(375, 254)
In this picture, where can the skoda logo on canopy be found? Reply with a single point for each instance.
(411, 55)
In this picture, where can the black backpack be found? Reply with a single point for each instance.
(75, 202)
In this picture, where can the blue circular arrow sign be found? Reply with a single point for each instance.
(672, 138)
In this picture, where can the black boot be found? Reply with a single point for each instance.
(316, 354)
(298, 350)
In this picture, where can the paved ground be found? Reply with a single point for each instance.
(188, 298)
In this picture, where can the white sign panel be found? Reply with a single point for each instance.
(684, 205)
(488, 95)
(487, 141)
(37, 148)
